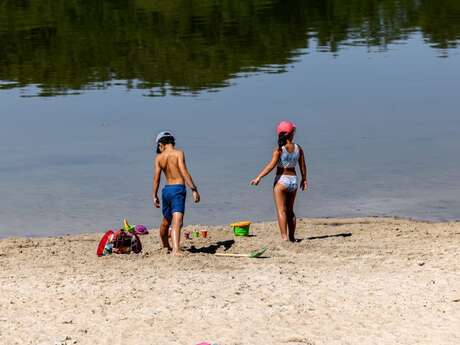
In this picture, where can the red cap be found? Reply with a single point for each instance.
(285, 126)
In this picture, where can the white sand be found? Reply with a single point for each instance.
(391, 282)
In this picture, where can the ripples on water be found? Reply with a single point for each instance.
(186, 46)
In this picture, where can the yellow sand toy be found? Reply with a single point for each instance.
(127, 227)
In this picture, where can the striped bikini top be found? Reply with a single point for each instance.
(289, 159)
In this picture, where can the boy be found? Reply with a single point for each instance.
(171, 162)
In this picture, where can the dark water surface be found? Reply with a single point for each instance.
(85, 86)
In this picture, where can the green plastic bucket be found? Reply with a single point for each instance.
(241, 228)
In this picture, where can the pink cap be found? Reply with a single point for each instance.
(285, 126)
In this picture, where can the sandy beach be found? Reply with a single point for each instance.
(347, 281)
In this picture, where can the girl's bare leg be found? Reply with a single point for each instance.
(291, 218)
(177, 222)
(279, 195)
(164, 232)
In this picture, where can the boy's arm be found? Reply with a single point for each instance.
(303, 171)
(268, 168)
(187, 177)
(156, 183)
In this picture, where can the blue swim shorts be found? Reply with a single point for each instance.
(173, 199)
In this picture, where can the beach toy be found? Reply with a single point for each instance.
(125, 242)
(253, 254)
(108, 249)
(136, 245)
(141, 229)
(241, 228)
(119, 242)
(204, 233)
(195, 234)
(187, 235)
(101, 248)
(127, 226)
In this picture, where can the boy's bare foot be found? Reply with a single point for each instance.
(164, 250)
(177, 253)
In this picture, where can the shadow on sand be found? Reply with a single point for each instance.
(212, 249)
(344, 234)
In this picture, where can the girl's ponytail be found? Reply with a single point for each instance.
(282, 139)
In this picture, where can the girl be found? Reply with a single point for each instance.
(285, 157)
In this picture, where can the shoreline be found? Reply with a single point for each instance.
(348, 281)
(260, 221)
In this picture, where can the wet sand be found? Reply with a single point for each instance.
(347, 281)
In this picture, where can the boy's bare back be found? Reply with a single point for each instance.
(172, 163)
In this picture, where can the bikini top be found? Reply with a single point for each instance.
(289, 159)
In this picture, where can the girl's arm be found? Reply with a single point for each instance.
(303, 170)
(156, 184)
(268, 168)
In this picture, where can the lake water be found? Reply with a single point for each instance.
(85, 86)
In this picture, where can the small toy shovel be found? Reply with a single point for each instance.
(253, 254)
